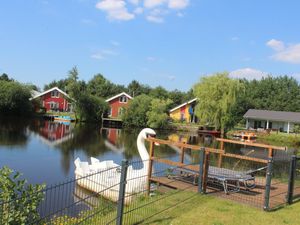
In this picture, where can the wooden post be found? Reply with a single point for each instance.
(205, 171)
(270, 153)
(182, 154)
(151, 153)
(221, 154)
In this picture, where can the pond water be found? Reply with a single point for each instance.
(44, 151)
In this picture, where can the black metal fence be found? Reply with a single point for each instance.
(125, 194)
(294, 180)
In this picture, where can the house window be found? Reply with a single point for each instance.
(123, 99)
(121, 111)
(54, 94)
(54, 105)
(110, 112)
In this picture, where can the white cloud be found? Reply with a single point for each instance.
(154, 10)
(153, 3)
(134, 2)
(115, 9)
(178, 4)
(138, 10)
(157, 15)
(248, 73)
(276, 45)
(290, 53)
(104, 54)
(97, 56)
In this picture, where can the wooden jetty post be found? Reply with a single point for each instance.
(221, 155)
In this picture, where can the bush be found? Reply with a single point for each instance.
(14, 99)
(18, 201)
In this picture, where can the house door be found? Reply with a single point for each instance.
(270, 125)
(255, 124)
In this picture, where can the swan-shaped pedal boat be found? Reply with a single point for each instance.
(103, 177)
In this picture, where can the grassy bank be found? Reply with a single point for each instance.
(190, 208)
(281, 139)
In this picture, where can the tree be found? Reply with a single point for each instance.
(136, 113)
(14, 99)
(157, 115)
(159, 92)
(5, 77)
(90, 108)
(101, 87)
(135, 88)
(217, 96)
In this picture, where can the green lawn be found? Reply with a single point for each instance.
(184, 208)
(203, 209)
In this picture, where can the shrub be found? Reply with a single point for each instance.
(18, 201)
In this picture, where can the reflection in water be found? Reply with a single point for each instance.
(50, 148)
(13, 134)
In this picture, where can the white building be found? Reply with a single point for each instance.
(265, 119)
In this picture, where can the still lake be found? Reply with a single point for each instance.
(44, 151)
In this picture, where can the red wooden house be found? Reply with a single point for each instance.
(54, 99)
(117, 104)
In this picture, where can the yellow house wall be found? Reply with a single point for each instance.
(176, 115)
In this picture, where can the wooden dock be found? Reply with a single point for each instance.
(253, 197)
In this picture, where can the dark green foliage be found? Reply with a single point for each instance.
(14, 99)
(19, 201)
(136, 114)
(90, 108)
(271, 93)
(159, 92)
(217, 96)
(135, 88)
(5, 77)
(101, 87)
(157, 115)
(145, 111)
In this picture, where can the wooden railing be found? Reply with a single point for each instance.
(222, 153)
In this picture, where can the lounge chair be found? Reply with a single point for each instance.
(225, 177)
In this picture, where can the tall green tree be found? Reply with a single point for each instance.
(217, 96)
(90, 108)
(135, 88)
(14, 99)
(157, 115)
(136, 113)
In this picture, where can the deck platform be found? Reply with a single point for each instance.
(253, 197)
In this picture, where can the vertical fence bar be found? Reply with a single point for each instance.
(292, 171)
(201, 168)
(205, 171)
(268, 184)
(122, 192)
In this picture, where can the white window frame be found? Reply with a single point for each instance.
(55, 94)
(123, 99)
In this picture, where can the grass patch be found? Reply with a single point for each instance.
(184, 208)
(282, 139)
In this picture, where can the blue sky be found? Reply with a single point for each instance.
(157, 42)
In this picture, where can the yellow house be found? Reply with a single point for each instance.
(184, 112)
